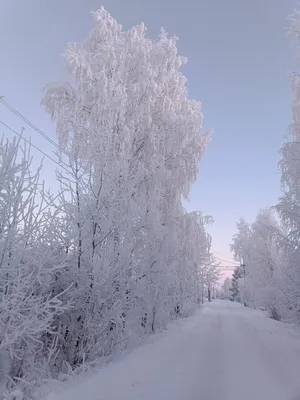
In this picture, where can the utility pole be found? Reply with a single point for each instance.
(244, 269)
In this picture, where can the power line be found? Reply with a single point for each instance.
(224, 255)
(227, 260)
(16, 112)
(31, 144)
(225, 268)
(230, 262)
(39, 131)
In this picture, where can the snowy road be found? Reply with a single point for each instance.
(225, 352)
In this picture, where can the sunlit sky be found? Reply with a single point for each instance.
(238, 64)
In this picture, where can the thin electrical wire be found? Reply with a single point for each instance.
(17, 113)
(39, 131)
(223, 255)
(234, 264)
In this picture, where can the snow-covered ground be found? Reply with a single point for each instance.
(224, 352)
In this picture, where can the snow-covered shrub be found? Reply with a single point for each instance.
(27, 265)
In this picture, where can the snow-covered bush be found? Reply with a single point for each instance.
(28, 265)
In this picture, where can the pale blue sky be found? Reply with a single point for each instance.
(238, 60)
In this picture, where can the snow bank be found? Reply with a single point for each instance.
(225, 352)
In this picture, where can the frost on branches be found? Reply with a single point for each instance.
(289, 204)
(113, 256)
(134, 141)
(29, 260)
(269, 247)
(258, 282)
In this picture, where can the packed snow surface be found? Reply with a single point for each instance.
(224, 352)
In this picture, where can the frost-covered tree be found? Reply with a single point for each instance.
(202, 266)
(256, 246)
(235, 285)
(289, 203)
(211, 277)
(269, 249)
(225, 290)
(241, 245)
(133, 141)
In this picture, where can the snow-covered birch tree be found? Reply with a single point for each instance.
(128, 120)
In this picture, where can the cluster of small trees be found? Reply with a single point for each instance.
(112, 256)
(258, 282)
(269, 247)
